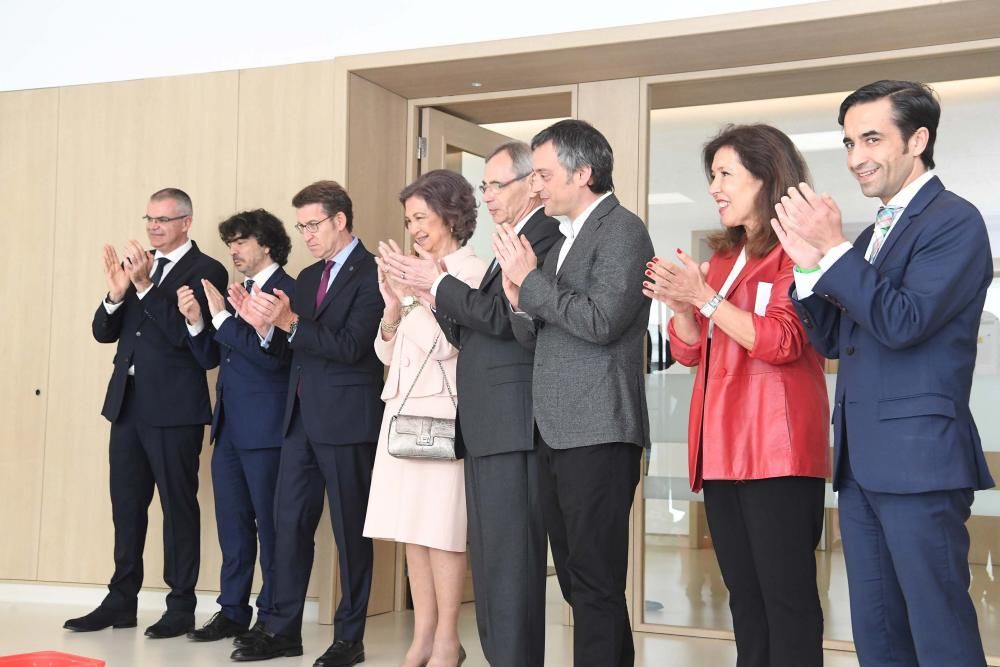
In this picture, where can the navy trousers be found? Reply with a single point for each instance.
(345, 472)
(244, 481)
(907, 561)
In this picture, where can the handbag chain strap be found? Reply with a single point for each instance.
(447, 384)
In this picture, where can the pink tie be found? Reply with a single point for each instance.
(324, 282)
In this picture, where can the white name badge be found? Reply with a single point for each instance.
(763, 298)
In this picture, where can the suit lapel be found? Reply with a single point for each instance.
(588, 232)
(919, 202)
(494, 270)
(307, 283)
(344, 276)
(718, 272)
(174, 279)
(273, 281)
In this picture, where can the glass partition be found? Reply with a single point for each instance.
(680, 577)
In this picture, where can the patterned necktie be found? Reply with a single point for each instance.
(248, 285)
(883, 223)
(157, 276)
(323, 283)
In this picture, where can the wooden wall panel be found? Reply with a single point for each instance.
(613, 108)
(376, 172)
(118, 143)
(27, 214)
(286, 141)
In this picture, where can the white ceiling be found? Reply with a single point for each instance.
(66, 42)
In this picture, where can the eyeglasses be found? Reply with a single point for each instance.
(312, 226)
(162, 220)
(495, 186)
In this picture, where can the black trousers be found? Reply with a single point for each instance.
(765, 534)
(587, 495)
(345, 471)
(143, 457)
(507, 552)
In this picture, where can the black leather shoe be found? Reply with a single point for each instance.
(171, 624)
(218, 627)
(264, 646)
(247, 637)
(101, 618)
(342, 654)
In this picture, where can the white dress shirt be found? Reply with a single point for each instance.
(571, 229)
(259, 279)
(741, 262)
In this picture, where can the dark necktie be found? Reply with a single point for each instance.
(161, 262)
(248, 285)
(324, 281)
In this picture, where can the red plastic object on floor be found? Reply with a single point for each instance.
(48, 659)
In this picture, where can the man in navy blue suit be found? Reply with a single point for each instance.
(157, 402)
(900, 308)
(331, 423)
(250, 397)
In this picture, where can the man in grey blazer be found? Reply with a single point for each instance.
(506, 532)
(580, 313)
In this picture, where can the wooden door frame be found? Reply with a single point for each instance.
(796, 69)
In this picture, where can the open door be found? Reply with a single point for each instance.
(448, 142)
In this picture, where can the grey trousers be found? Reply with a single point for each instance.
(507, 548)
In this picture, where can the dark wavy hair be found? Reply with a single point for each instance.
(450, 196)
(771, 157)
(261, 225)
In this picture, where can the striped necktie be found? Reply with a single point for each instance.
(883, 223)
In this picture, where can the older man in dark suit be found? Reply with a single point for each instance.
(580, 313)
(507, 544)
(331, 424)
(158, 406)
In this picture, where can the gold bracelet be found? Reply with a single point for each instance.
(389, 328)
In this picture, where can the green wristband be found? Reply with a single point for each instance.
(799, 269)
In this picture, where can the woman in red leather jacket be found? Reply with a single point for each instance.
(759, 425)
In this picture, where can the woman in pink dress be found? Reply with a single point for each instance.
(415, 501)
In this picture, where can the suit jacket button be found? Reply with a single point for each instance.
(138, 333)
(850, 349)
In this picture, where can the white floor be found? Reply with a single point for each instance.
(28, 623)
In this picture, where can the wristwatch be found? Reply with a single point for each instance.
(709, 308)
(407, 304)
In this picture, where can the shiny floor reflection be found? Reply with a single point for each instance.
(683, 587)
(37, 627)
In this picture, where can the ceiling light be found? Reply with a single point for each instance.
(659, 198)
(818, 141)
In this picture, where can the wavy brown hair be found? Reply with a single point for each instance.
(771, 157)
(450, 196)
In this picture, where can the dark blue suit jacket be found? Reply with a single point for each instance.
(334, 367)
(252, 385)
(171, 387)
(905, 331)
